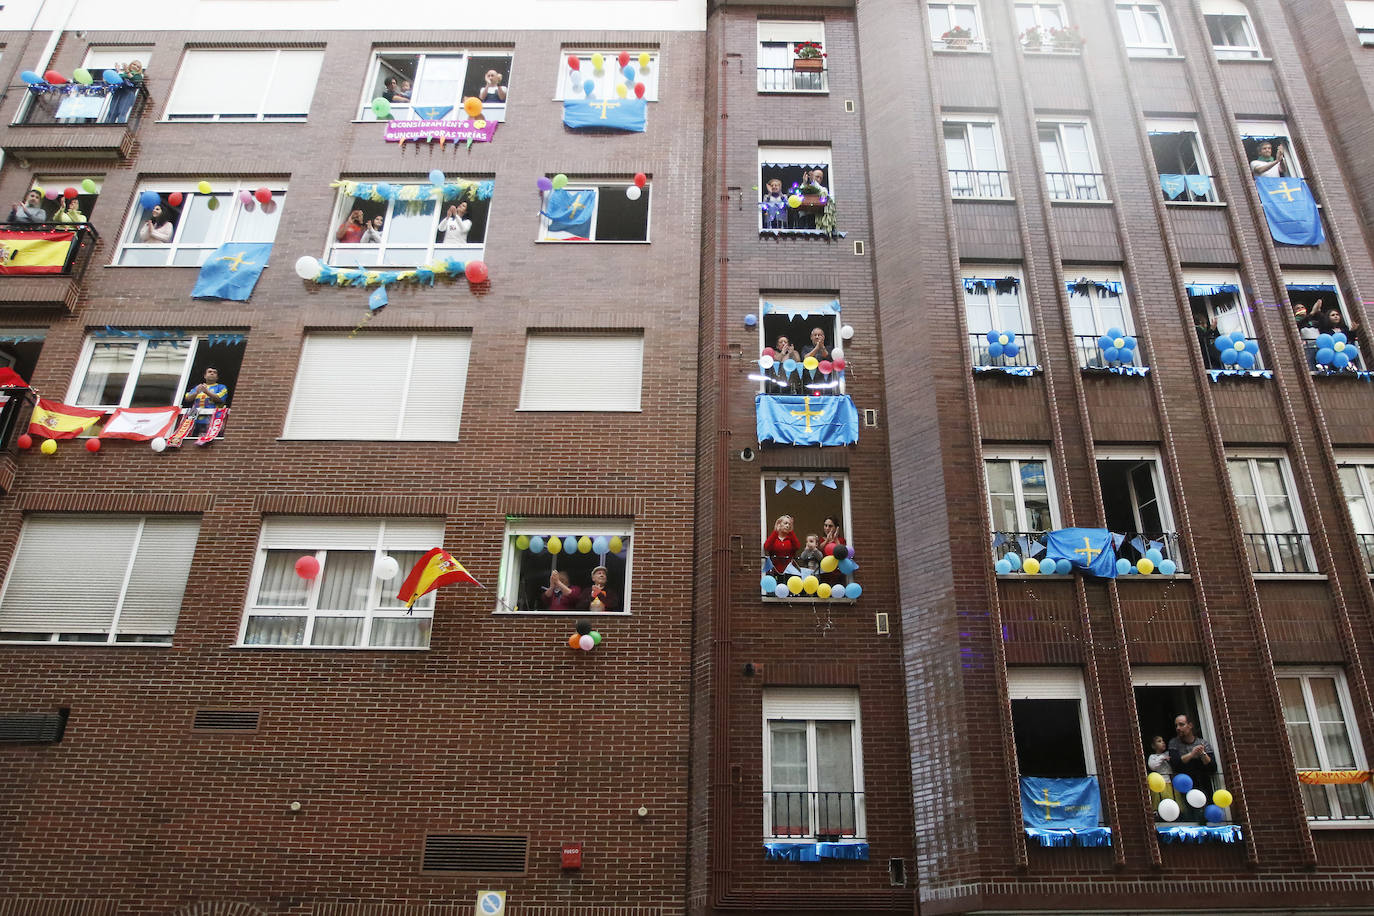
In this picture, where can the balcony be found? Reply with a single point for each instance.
(990, 355)
(1103, 354)
(1076, 186)
(801, 77)
(978, 183)
(1280, 552)
(1162, 552)
(97, 124)
(825, 816)
(42, 263)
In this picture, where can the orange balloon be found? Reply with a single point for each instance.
(573, 641)
(473, 106)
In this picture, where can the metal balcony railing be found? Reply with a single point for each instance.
(982, 356)
(26, 261)
(1092, 356)
(1351, 351)
(978, 183)
(1279, 552)
(826, 816)
(1211, 356)
(1366, 545)
(788, 79)
(119, 105)
(1076, 185)
(1138, 544)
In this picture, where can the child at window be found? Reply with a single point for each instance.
(774, 205)
(1158, 761)
(782, 544)
(600, 597)
(810, 557)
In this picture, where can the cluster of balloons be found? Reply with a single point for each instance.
(810, 585)
(1012, 562)
(1235, 350)
(556, 183)
(1117, 346)
(82, 76)
(768, 358)
(262, 195)
(1153, 561)
(600, 545)
(1334, 350)
(626, 70)
(585, 638)
(1003, 343)
(310, 268)
(49, 447)
(88, 186)
(1169, 810)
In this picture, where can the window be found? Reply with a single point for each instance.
(992, 302)
(1020, 492)
(1136, 504)
(405, 225)
(1357, 481)
(571, 371)
(1322, 733)
(955, 25)
(1318, 309)
(1275, 534)
(432, 86)
(347, 605)
(595, 212)
(973, 155)
(151, 367)
(818, 503)
(797, 318)
(1162, 694)
(1362, 17)
(1097, 305)
(244, 85)
(780, 67)
(111, 108)
(1219, 309)
(1145, 29)
(1071, 171)
(537, 549)
(1229, 27)
(85, 202)
(130, 577)
(1283, 159)
(1184, 175)
(611, 73)
(379, 387)
(19, 349)
(788, 170)
(1049, 721)
(1043, 16)
(185, 234)
(812, 765)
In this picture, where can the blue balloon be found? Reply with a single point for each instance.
(149, 199)
(1048, 568)
(1154, 555)
(629, 73)
(1252, 346)
(1246, 359)
(536, 544)
(1011, 338)
(1003, 567)
(994, 336)
(750, 320)
(1112, 355)
(112, 77)
(1325, 355)
(789, 365)
(1183, 783)
(1214, 814)
(839, 591)
(1123, 567)
(436, 176)
(1011, 350)
(1222, 343)
(588, 87)
(1130, 343)
(28, 76)
(769, 585)
(570, 544)
(847, 566)
(995, 350)
(1104, 342)
(1168, 568)
(852, 590)
(1228, 357)
(385, 190)
(1325, 341)
(1115, 332)
(1014, 559)
(1340, 361)
(781, 591)
(1063, 567)
(600, 545)
(1339, 337)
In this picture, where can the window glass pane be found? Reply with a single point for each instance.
(1025, 16)
(159, 379)
(965, 17)
(411, 222)
(1050, 151)
(1327, 699)
(939, 21)
(834, 756)
(788, 764)
(441, 81)
(1034, 489)
(1354, 800)
(337, 631)
(984, 142)
(1125, 16)
(1355, 499)
(1076, 151)
(1316, 801)
(1081, 310)
(258, 223)
(1051, 17)
(404, 632)
(280, 586)
(1008, 309)
(1152, 25)
(978, 311)
(956, 149)
(107, 373)
(199, 224)
(406, 560)
(346, 583)
(1299, 729)
(275, 631)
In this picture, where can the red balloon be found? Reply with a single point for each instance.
(839, 365)
(307, 567)
(69, 193)
(827, 366)
(175, 198)
(639, 90)
(264, 195)
(641, 179)
(24, 440)
(92, 445)
(769, 351)
(476, 272)
(52, 76)
(574, 63)
(624, 58)
(829, 549)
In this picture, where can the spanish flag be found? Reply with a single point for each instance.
(55, 420)
(433, 570)
(34, 252)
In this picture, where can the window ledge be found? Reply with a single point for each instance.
(1082, 203)
(394, 441)
(986, 52)
(807, 600)
(1349, 824)
(291, 120)
(1284, 576)
(329, 648)
(1245, 60)
(794, 92)
(85, 645)
(1154, 575)
(590, 615)
(592, 241)
(1145, 55)
(960, 197)
(1204, 204)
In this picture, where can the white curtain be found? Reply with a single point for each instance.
(790, 801)
(280, 586)
(835, 778)
(274, 631)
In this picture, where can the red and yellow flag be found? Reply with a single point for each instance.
(1333, 777)
(433, 570)
(34, 252)
(55, 420)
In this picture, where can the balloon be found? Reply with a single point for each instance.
(584, 544)
(770, 353)
(544, 183)
(29, 77)
(1213, 814)
(794, 201)
(149, 199)
(263, 195)
(92, 445)
(750, 320)
(386, 568)
(588, 87)
(643, 59)
(112, 77)
(596, 637)
(768, 584)
(476, 272)
(570, 544)
(838, 591)
(307, 567)
(88, 185)
(158, 445)
(246, 197)
(381, 107)
(560, 181)
(307, 268)
(1183, 783)
(794, 584)
(841, 551)
(1222, 799)
(204, 187)
(1063, 567)
(1144, 566)
(766, 362)
(600, 546)
(436, 177)
(789, 365)
(847, 566)
(641, 179)
(629, 73)
(1168, 568)
(522, 542)
(837, 353)
(51, 193)
(828, 564)
(633, 192)
(617, 544)
(555, 545)
(1168, 809)
(598, 61)
(1154, 556)
(574, 640)
(536, 544)
(24, 441)
(52, 76)
(586, 643)
(69, 193)
(823, 590)
(810, 363)
(472, 106)
(624, 58)
(826, 366)
(1030, 566)
(1123, 566)
(995, 350)
(49, 447)
(621, 91)
(810, 584)
(574, 63)
(781, 590)
(1014, 559)
(853, 590)
(1048, 567)
(1197, 798)
(846, 333)
(639, 90)
(175, 198)
(1157, 783)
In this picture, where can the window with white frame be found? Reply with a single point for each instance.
(802, 171)
(817, 502)
(578, 371)
(566, 565)
(1275, 534)
(974, 157)
(1049, 721)
(993, 302)
(1181, 161)
(1098, 306)
(407, 224)
(1217, 301)
(1323, 734)
(1362, 17)
(813, 786)
(1319, 308)
(1135, 501)
(611, 73)
(800, 319)
(152, 368)
(432, 85)
(1145, 28)
(1162, 694)
(1357, 482)
(1070, 161)
(595, 211)
(185, 226)
(1020, 492)
(381, 386)
(955, 26)
(1281, 159)
(1043, 16)
(782, 64)
(265, 84)
(1229, 27)
(129, 580)
(114, 107)
(347, 604)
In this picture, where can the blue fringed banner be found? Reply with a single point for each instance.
(1120, 370)
(1025, 371)
(1078, 836)
(1193, 833)
(1215, 374)
(814, 852)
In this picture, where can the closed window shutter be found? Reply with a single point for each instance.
(293, 83)
(434, 397)
(792, 32)
(67, 574)
(348, 389)
(307, 533)
(582, 373)
(413, 534)
(811, 703)
(1045, 683)
(157, 583)
(221, 82)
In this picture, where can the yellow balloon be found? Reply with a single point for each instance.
(1338, 346)
(643, 59)
(39, 191)
(823, 590)
(555, 545)
(616, 544)
(584, 544)
(621, 91)
(828, 564)
(810, 584)
(1145, 565)
(597, 61)
(1156, 782)
(522, 542)
(810, 363)
(794, 583)
(794, 201)
(49, 447)
(204, 187)
(1222, 799)
(1030, 566)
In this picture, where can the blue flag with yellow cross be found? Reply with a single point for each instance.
(830, 419)
(1060, 804)
(607, 114)
(232, 271)
(1291, 211)
(1089, 549)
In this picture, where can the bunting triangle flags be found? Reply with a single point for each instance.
(55, 420)
(435, 569)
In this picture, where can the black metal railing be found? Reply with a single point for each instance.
(120, 105)
(835, 577)
(789, 79)
(12, 402)
(1015, 542)
(1092, 356)
(978, 183)
(1286, 552)
(1137, 546)
(1211, 356)
(982, 356)
(828, 816)
(1351, 351)
(1076, 185)
(84, 238)
(1366, 544)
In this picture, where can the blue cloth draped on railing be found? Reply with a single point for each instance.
(814, 852)
(1193, 833)
(830, 308)
(1172, 185)
(1120, 370)
(1291, 211)
(1215, 374)
(607, 114)
(1061, 803)
(806, 420)
(973, 284)
(1310, 287)
(1010, 370)
(1211, 289)
(1110, 287)
(1086, 836)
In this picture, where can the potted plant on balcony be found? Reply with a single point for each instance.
(810, 57)
(1033, 38)
(1066, 39)
(957, 38)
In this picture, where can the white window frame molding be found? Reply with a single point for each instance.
(1252, 51)
(1050, 683)
(491, 111)
(1187, 126)
(229, 187)
(766, 523)
(822, 313)
(1193, 276)
(1167, 49)
(566, 88)
(508, 582)
(1151, 455)
(999, 453)
(1249, 456)
(790, 32)
(598, 186)
(966, 120)
(1098, 274)
(1264, 127)
(88, 351)
(812, 705)
(347, 254)
(1352, 731)
(978, 42)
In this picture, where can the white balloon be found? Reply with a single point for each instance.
(158, 445)
(765, 362)
(586, 643)
(837, 352)
(387, 568)
(847, 331)
(632, 192)
(1168, 809)
(307, 268)
(1197, 798)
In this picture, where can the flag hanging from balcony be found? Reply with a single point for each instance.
(607, 114)
(55, 420)
(140, 423)
(1291, 211)
(34, 252)
(571, 212)
(435, 569)
(232, 271)
(1089, 549)
(1060, 804)
(806, 420)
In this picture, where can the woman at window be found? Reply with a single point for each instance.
(782, 544)
(561, 594)
(831, 537)
(454, 227)
(69, 211)
(158, 227)
(122, 99)
(351, 230)
(372, 235)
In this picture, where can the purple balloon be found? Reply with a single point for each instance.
(545, 183)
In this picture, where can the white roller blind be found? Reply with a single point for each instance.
(1045, 683)
(582, 372)
(792, 31)
(1361, 13)
(810, 703)
(161, 569)
(1224, 8)
(293, 83)
(434, 395)
(800, 155)
(221, 82)
(299, 532)
(99, 59)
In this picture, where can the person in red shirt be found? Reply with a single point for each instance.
(351, 230)
(782, 544)
(561, 595)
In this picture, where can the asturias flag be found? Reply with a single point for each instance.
(1089, 549)
(1291, 211)
(433, 570)
(1060, 804)
(55, 420)
(608, 114)
(571, 211)
(232, 271)
(34, 252)
(140, 423)
(830, 419)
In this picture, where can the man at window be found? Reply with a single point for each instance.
(600, 597)
(30, 211)
(1191, 755)
(492, 90)
(208, 395)
(1267, 164)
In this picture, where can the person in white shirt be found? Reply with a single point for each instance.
(372, 235)
(1268, 165)
(454, 227)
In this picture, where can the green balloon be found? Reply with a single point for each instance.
(212, 203)
(596, 636)
(88, 186)
(83, 77)
(381, 107)
(560, 181)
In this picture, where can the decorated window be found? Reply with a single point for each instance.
(955, 26)
(1282, 160)
(332, 582)
(1162, 694)
(400, 224)
(813, 503)
(595, 212)
(1330, 343)
(974, 158)
(1044, 16)
(91, 101)
(606, 69)
(1021, 494)
(1229, 27)
(1332, 769)
(379, 386)
(152, 367)
(792, 56)
(1070, 159)
(1357, 482)
(582, 371)
(1181, 160)
(811, 325)
(432, 86)
(566, 565)
(797, 190)
(62, 206)
(181, 223)
(1221, 319)
(813, 774)
(1102, 325)
(1275, 534)
(1145, 29)
(994, 307)
(130, 578)
(1136, 502)
(244, 85)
